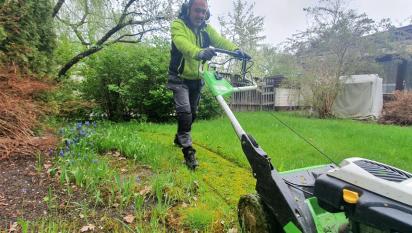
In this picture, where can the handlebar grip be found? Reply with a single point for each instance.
(231, 53)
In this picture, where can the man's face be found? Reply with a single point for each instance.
(197, 13)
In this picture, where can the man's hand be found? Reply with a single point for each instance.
(242, 54)
(206, 54)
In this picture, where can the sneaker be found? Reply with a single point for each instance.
(176, 142)
(190, 158)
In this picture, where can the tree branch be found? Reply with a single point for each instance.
(103, 41)
(57, 7)
(140, 34)
(77, 58)
(124, 13)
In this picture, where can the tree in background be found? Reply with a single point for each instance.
(27, 37)
(98, 24)
(270, 61)
(335, 45)
(244, 28)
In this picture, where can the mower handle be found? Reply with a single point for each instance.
(239, 56)
(232, 53)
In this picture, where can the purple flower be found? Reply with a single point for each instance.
(79, 125)
(87, 123)
(50, 151)
(82, 133)
(67, 142)
(94, 124)
(61, 131)
(61, 153)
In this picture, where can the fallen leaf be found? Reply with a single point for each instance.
(115, 205)
(47, 165)
(13, 227)
(31, 173)
(145, 190)
(233, 230)
(87, 228)
(129, 218)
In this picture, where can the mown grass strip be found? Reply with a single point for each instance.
(220, 182)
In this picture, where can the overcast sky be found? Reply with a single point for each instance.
(285, 17)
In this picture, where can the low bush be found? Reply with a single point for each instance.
(399, 110)
(128, 81)
(208, 106)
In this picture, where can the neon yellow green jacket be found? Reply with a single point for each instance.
(187, 44)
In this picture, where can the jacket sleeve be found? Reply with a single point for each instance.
(181, 40)
(218, 41)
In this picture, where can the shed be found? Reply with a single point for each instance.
(360, 98)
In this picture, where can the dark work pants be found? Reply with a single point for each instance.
(186, 95)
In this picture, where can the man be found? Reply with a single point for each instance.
(191, 38)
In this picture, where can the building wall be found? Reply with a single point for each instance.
(390, 73)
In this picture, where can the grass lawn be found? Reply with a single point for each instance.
(165, 196)
(337, 138)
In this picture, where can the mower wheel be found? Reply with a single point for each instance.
(255, 217)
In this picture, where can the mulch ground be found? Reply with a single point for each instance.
(23, 187)
(24, 181)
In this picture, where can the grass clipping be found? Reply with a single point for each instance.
(399, 110)
(19, 115)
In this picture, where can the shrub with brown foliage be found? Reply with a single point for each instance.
(19, 115)
(399, 110)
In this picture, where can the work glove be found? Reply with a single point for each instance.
(242, 54)
(206, 54)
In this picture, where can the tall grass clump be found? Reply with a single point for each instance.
(79, 163)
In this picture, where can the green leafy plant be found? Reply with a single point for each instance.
(208, 106)
(27, 35)
(128, 81)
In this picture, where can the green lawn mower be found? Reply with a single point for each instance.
(358, 195)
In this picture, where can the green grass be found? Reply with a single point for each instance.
(191, 193)
(224, 173)
(206, 200)
(337, 138)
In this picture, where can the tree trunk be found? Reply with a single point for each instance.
(77, 58)
(57, 7)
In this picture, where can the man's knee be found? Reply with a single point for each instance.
(183, 109)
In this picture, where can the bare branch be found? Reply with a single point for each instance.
(141, 22)
(140, 34)
(124, 13)
(74, 27)
(134, 13)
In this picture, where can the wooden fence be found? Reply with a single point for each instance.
(268, 96)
